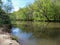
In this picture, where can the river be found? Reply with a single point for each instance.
(37, 33)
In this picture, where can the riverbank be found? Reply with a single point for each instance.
(6, 38)
(36, 20)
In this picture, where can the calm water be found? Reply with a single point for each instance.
(37, 33)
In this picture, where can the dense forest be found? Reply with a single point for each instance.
(40, 10)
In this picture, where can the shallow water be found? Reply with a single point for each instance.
(37, 33)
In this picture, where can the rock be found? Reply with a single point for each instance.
(5, 39)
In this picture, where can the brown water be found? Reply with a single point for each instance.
(37, 33)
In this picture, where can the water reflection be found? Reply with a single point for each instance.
(18, 32)
(23, 36)
(37, 33)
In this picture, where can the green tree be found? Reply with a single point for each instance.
(45, 10)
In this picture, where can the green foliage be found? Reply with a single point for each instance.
(4, 16)
(4, 19)
(45, 10)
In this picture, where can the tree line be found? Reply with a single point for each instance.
(40, 10)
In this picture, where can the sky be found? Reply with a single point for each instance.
(17, 4)
(20, 3)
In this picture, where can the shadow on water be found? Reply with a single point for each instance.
(37, 33)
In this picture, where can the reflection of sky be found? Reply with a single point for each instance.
(24, 37)
(19, 33)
